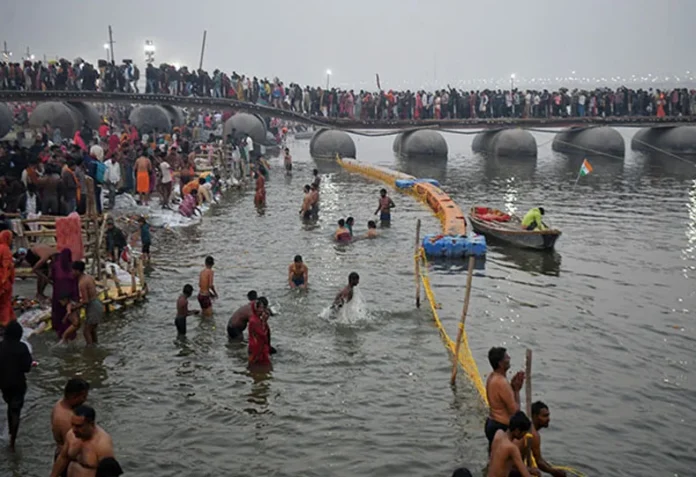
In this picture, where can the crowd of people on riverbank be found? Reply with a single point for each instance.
(445, 103)
(51, 176)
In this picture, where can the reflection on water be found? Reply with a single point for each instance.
(426, 167)
(508, 168)
(545, 262)
(689, 253)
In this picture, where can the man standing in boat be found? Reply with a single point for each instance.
(503, 396)
(532, 220)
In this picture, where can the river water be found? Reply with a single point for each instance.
(609, 317)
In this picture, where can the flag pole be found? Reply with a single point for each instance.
(577, 179)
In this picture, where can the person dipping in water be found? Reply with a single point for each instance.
(384, 207)
(315, 200)
(541, 416)
(350, 221)
(287, 160)
(371, 231)
(346, 295)
(72, 316)
(182, 311)
(298, 273)
(306, 210)
(317, 180)
(240, 318)
(342, 234)
(206, 287)
(86, 444)
(89, 300)
(75, 394)
(505, 453)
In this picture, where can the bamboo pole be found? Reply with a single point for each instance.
(100, 238)
(132, 274)
(528, 382)
(465, 309)
(417, 261)
(141, 277)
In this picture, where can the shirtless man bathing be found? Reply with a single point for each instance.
(240, 318)
(86, 444)
(75, 394)
(504, 397)
(346, 295)
(207, 291)
(506, 458)
(298, 273)
(89, 300)
(541, 416)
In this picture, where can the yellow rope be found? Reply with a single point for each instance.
(465, 358)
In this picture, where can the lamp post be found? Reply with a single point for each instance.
(328, 77)
(6, 54)
(512, 82)
(149, 52)
(106, 48)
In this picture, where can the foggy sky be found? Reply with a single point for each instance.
(410, 43)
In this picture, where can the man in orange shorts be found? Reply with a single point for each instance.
(143, 168)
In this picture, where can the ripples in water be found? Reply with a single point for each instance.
(609, 316)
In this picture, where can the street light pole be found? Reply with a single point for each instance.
(111, 45)
(328, 77)
(149, 52)
(512, 82)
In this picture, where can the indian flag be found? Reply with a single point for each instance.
(585, 168)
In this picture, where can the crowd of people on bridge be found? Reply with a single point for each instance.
(446, 103)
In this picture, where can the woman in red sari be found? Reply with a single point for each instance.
(259, 334)
(7, 278)
(260, 197)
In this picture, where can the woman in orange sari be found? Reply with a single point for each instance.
(7, 278)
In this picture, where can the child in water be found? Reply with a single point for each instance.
(72, 316)
(182, 311)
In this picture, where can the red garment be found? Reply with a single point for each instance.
(259, 340)
(135, 137)
(260, 196)
(69, 235)
(77, 139)
(103, 131)
(113, 142)
(7, 278)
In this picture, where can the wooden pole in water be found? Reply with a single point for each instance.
(465, 309)
(417, 263)
(528, 382)
(132, 272)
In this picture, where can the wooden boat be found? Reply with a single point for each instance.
(497, 225)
